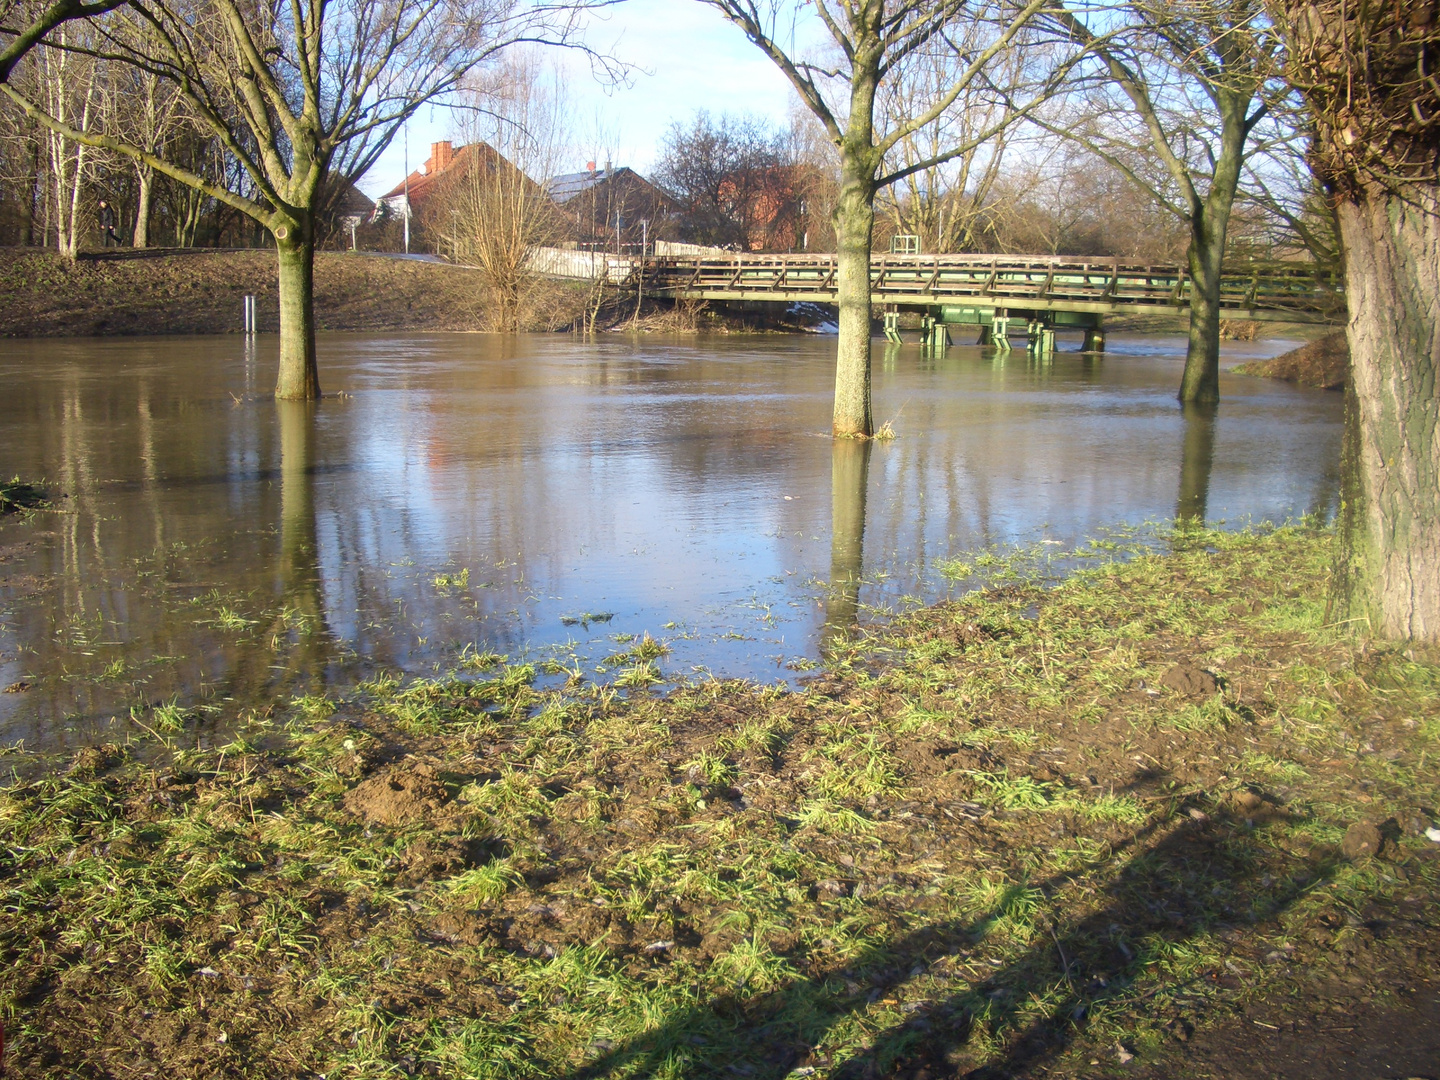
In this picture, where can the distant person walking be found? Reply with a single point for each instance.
(107, 225)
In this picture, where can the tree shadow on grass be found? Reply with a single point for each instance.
(1176, 880)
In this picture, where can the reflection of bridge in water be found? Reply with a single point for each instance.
(994, 292)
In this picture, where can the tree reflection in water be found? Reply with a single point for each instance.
(1197, 458)
(302, 617)
(849, 473)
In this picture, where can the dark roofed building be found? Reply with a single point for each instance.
(597, 202)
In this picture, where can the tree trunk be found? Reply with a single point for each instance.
(145, 178)
(299, 378)
(34, 192)
(1200, 384)
(854, 223)
(1388, 559)
(1209, 223)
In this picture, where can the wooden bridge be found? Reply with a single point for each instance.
(994, 290)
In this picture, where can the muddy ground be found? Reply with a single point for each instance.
(1160, 820)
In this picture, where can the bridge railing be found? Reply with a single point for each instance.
(1020, 281)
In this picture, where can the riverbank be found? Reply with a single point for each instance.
(1323, 363)
(1158, 816)
(200, 291)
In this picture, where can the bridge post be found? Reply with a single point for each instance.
(937, 337)
(1000, 330)
(1095, 337)
(892, 327)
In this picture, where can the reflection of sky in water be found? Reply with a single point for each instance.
(683, 486)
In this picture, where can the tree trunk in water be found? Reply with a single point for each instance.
(1209, 224)
(854, 222)
(144, 177)
(1387, 569)
(299, 378)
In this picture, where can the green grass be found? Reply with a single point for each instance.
(993, 822)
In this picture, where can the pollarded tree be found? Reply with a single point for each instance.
(870, 42)
(297, 91)
(1368, 73)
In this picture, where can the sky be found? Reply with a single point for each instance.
(686, 58)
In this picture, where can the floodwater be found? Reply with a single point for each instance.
(543, 497)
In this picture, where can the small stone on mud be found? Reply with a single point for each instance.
(1362, 838)
(400, 795)
(1190, 680)
(1433, 833)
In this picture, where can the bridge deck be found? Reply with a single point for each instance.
(1274, 291)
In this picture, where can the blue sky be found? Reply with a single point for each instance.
(687, 57)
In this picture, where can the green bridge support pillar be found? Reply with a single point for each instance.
(937, 336)
(1000, 330)
(892, 327)
(1039, 338)
(1094, 338)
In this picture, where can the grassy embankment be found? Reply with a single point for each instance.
(200, 291)
(1022, 830)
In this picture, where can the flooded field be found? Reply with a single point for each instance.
(550, 499)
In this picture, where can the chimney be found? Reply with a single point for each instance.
(441, 155)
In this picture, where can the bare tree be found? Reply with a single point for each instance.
(1197, 76)
(870, 40)
(297, 91)
(23, 25)
(67, 86)
(724, 171)
(494, 209)
(1367, 71)
(1076, 204)
(147, 111)
(949, 202)
(1280, 184)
